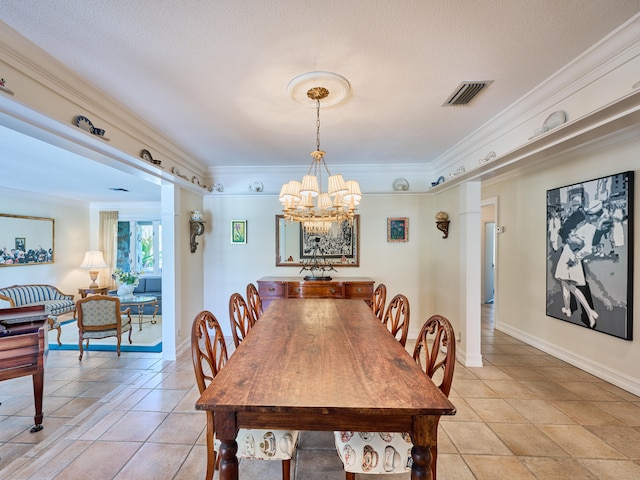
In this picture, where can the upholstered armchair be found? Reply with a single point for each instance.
(99, 316)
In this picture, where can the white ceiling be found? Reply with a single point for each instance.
(212, 75)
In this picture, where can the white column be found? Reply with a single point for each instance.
(170, 261)
(470, 273)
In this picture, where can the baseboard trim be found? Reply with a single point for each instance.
(110, 348)
(614, 377)
(468, 361)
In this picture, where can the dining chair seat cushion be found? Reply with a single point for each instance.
(374, 452)
(264, 444)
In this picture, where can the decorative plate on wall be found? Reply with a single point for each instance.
(400, 185)
(554, 120)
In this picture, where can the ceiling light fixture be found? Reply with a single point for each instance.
(307, 201)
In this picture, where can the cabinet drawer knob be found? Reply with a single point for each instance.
(297, 289)
(272, 289)
(333, 290)
(359, 289)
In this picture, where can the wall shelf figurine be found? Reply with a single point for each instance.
(177, 172)
(3, 88)
(196, 228)
(83, 123)
(459, 171)
(256, 186)
(490, 156)
(442, 223)
(438, 182)
(146, 155)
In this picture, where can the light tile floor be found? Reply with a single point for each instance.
(524, 415)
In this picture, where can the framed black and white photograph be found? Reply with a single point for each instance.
(590, 254)
(294, 248)
(341, 242)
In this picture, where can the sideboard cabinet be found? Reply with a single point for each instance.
(271, 288)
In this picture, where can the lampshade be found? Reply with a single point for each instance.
(310, 185)
(93, 259)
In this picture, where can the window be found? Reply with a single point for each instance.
(140, 246)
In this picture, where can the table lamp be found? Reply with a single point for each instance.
(93, 260)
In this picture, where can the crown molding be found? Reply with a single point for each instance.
(583, 83)
(45, 78)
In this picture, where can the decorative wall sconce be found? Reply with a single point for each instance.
(196, 228)
(442, 222)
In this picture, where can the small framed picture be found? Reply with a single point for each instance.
(238, 231)
(21, 244)
(398, 229)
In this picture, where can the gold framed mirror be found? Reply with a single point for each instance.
(341, 246)
(26, 240)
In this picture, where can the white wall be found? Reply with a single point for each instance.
(402, 267)
(521, 264)
(71, 240)
(189, 267)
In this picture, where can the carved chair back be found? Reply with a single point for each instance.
(378, 300)
(254, 301)
(396, 318)
(240, 318)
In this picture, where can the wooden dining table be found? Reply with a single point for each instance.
(323, 365)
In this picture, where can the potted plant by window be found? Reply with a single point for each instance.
(127, 282)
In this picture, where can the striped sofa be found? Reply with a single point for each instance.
(53, 299)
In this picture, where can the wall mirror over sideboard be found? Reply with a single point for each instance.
(341, 246)
(25, 240)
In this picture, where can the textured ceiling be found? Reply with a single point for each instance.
(212, 75)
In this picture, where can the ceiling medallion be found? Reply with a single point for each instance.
(336, 86)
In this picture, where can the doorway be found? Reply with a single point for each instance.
(488, 292)
(489, 256)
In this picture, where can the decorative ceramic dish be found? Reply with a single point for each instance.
(146, 155)
(554, 120)
(400, 185)
(84, 123)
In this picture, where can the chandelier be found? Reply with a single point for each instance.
(316, 202)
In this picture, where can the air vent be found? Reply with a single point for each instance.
(465, 92)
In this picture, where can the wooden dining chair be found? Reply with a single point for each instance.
(99, 316)
(240, 318)
(396, 318)
(254, 301)
(209, 355)
(378, 300)
(385, 452)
